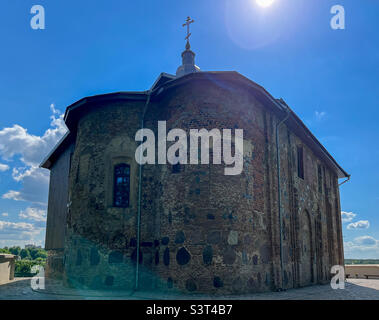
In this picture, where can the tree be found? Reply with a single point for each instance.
(23, 267)
(41, 254)
(33, 253)
(15, 250)
(24, 253)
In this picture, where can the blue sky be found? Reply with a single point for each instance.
(329, 77)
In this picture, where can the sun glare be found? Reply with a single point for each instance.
(265, 3)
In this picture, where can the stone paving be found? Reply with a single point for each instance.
(355, 289)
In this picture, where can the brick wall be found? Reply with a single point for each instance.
(201, 231)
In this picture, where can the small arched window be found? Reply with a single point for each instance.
(121, 191)
(300, 162)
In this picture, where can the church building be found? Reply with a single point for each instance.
(113, 223)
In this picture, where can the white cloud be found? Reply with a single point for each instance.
(5, 214)
(13, 195)
(6, 225)
(362, 224)
(320, 115)
(3, 167)
(54, 110)
(366, 241)
(35, 185)
(18, 230)
(365, 247)
(16, 141)
(347, 216)
(33, 214)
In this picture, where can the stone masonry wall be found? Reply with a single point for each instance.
(101, 239)
(201, 231)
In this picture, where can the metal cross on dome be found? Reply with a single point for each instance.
(188, 22)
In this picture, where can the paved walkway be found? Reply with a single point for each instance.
(356, 289)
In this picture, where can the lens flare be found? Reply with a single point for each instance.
(265, 3)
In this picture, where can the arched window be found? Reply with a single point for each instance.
(300, 162)
(121, 189)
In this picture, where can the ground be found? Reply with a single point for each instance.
(355, 289)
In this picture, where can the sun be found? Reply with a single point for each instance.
(265, 3)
